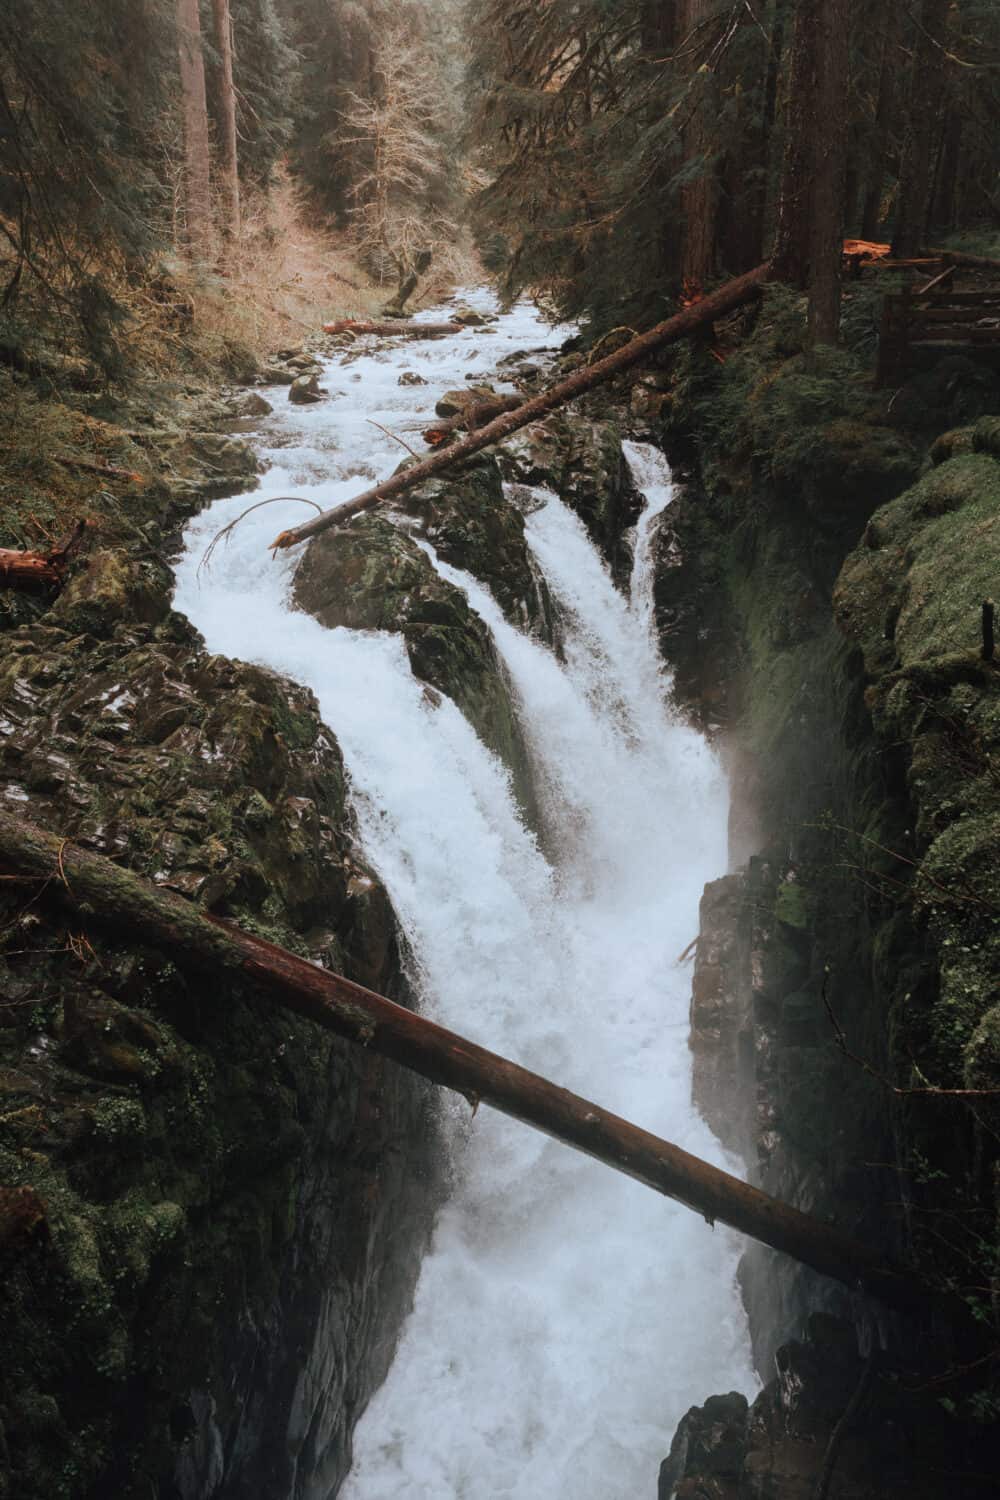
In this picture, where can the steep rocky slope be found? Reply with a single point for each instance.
(820, 589)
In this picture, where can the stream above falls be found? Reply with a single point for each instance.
(565, 1317)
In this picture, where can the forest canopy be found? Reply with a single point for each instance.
(617, 157)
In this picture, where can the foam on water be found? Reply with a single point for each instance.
(565, 1317)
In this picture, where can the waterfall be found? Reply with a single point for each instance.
(565, 1317)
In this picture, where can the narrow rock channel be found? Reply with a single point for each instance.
(565, 1318)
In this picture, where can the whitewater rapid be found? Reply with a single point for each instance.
(565, 1317)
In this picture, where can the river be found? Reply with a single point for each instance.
(565, 1317)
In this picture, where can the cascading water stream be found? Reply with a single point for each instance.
(565, 1317)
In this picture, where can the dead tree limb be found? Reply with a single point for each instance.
(734, 294)
(97, 889)
(40, 571)
(963, 258)
(400, 329)
(469, 420)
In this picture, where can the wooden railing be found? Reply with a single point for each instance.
(935, 317)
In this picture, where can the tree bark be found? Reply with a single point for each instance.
(699, 197)
(885, 110)
(227, 111)
(197, 185)
(927, 86)
(95, 887)
(469, 419)
(734, 294)
(829, 173)
(792, 239)
(393, 329)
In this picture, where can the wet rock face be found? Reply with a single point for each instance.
(371, 576)
(470, 524)
(820, 1419)
(581, 458)
(228, 1197)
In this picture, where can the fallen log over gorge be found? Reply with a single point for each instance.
(98, 890)
(725, 300)
(394, 329)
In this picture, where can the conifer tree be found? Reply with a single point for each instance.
(230, 171)
(197, 179)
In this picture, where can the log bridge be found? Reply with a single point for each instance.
(98, 891)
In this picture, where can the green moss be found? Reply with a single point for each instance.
(791, 906)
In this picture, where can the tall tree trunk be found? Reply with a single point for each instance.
(949, 163)
(790, 261)
(658, 28)
(699, 198)
(197, 184)
(926, 93)
(227, 112)
(884, 117)
(829, 173)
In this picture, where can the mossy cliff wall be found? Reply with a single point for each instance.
(211, 1215)
(819, 595)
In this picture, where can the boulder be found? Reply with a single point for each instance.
(454, 403)
(371, 576)
(469, 318)
(305, 390)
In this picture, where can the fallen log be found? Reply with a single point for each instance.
(97, 889)
(402, 329)
(725, 300)
(962, 258)
(469, 420)
(40, 571)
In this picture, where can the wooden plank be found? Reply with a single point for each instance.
(986, 296)
(941, 279)
(969, 315)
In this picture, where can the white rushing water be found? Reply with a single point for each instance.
(565, 1317)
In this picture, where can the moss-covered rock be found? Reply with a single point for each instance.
(581, 459)
(472, 525)
(371, 576)
(221, 1189)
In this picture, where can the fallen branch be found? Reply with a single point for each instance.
(734, 294)
(227, 531)
(402, 329)
(98, 889)
(962, 258)
(470, 420)
(40, 571)
(92, 466)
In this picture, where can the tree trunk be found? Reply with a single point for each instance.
(793, 237)
(197, 186)
(699, 198)
(885, 109)
(734, 294)
(227, 112)
(95, 887)
(949, 159)
(829, 173)
(393, 329)
(927, 87)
